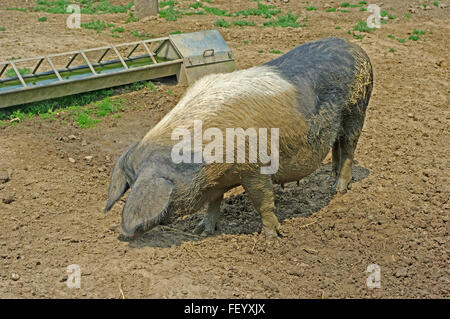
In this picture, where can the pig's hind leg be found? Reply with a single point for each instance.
(345, 144)
(260, 191)
(208, 225)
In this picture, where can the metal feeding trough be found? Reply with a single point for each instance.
(189, 56)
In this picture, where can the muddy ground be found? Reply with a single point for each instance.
(396, 214)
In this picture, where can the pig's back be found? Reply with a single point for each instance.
(323, 70)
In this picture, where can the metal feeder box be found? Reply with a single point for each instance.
(189, 56)
(202, 52)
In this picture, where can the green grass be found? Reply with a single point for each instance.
(414, 37)
(345, 5)
(384, 13)
(84, 120)
(86, 109)
(284, 21)
(170, 14)
(11, 73)
(407, 15)
(17, 9)
(217, 11)
(276, 52)
(175, 32)
(401, 40)
(337, 28)
(330, 10)
(131, 18)
(419, 32)
(311, 8)
(141, 35)
(42, 19)
(392, 50)
(436, 3)
(391, 36)
(2, 29)
(106, 107)
(243, 23)
(362, 27)
(343, 10)
(87, 6)
(267, 11)
(118, 30)
(260, 51)
(221, 23)
(97, 25)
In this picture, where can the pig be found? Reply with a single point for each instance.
(315, 94)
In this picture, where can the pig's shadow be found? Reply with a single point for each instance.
(239, 217)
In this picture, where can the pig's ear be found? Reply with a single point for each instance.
(146, 205)
(118, 184)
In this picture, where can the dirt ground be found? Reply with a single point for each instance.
(396, 215)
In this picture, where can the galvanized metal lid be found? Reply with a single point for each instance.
(203, 47)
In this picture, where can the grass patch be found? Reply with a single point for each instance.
(330, 10)
(284, 21)
(86, 109)
(244, 23)
(436, 3)
(384, 14)
(11, 73)
(2, 29)
(362, 27)
(131, 18)
(118, 30)
(414, 37)
(276, 52)
(419, 32)
(344, 10)
(392, 50)
(141, 35)
(221, 23)
(175, 32)
(42, 19)
(87, 6)
(401, 40)
(311, 8)
(267, 11)
(97, 25)
(17, 9)
(84, 120)
(407, 15)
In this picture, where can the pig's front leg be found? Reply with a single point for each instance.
(259, 189)
(208, 225)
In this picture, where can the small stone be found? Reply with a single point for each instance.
(15, 276)
(4, 177)
(8, 199)
(89, 158)
(401, 272)
(72, 137)
(71, 160)
(83, 142)
(101, 169)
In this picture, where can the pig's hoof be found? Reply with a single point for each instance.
(341, 186)
(205, 228)
(271, 232)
